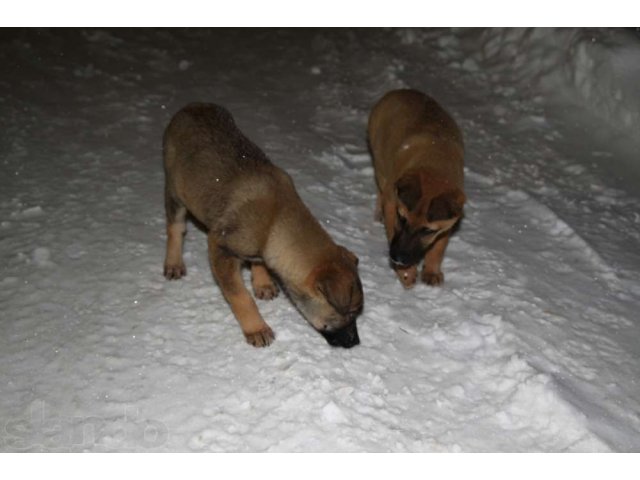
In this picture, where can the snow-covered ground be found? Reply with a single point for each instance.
(532, 344)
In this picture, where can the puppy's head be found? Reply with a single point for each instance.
(425, 209)
(331, 299)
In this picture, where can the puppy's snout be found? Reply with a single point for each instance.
(404, 250)
(398, 256)
(345, 337)
(399, 259)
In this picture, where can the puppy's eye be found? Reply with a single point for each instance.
(401, 220)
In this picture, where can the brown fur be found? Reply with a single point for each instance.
(418, 152)
(252, 212)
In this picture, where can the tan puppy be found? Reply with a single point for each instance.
(418, 154)
(253, 213)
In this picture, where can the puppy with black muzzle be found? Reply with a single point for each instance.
(253, 213)
(418, 153)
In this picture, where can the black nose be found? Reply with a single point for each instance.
(404, 251)
(399, 257)
(345, 337)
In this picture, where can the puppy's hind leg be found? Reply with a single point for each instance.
(174, 267)
(226, 270)
(264, 287)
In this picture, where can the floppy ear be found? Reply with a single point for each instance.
(349, 255)
(446, 206)
(337, 289)
(409, 191)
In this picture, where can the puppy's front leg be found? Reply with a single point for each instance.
(226, 270)
(176, 227)
(389, 219)
(431, 273)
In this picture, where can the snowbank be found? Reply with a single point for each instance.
(599, 68)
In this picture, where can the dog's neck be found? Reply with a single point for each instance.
(297, 244)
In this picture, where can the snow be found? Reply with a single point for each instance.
(530, 345)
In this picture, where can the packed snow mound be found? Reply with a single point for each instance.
(599, 68)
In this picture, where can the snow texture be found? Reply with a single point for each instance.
(532, 344)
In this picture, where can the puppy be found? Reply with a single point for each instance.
(253, 213)
(418, 155)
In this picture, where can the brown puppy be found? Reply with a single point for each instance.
(253, 213)
(418, 154)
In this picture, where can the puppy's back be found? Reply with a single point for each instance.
(207, 159)
(408, 129)
(206, 133)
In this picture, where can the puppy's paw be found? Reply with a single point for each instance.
(432, 278)
(174, 271)
(267, 291)
(407, 276)
(262, 338)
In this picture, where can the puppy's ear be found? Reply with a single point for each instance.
(337, 289)
(446, 206)
(409, 191)
(349, 255)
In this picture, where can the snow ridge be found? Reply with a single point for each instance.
(599, 68)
